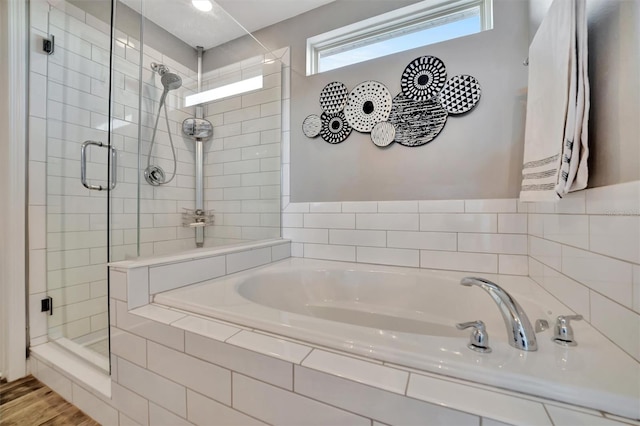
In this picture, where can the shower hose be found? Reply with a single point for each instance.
(153, 138)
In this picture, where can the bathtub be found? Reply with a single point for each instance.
(407, 317)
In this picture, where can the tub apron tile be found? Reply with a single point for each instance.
(271, 346)
(481, 402)
(360, 371)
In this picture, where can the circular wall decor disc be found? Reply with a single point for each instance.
(368, 104)
(417, 122)
(383, 133)
(460, 94)
(423, 78)
(311, 126)
(335, 128)
(333, 97)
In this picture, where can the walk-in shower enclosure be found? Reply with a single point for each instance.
(100, 98)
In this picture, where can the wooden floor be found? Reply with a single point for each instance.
(27, 402)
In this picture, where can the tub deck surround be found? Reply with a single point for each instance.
(194, 254)
(170, 366)
(276, 366)
(406, 317)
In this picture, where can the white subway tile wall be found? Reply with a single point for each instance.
(473, 235)
(584, 250)
(243, 166)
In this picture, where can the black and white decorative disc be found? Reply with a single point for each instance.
(423, 78)
(460, 94)
(311, 126)
(335, 127)
(368, 104)
(383, 133)
(333, 97)
(417, 122)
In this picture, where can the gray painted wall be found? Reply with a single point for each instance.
(476, 156)
(614, 74)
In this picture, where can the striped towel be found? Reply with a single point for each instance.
(556, 138)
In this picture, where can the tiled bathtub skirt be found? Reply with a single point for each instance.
(170, 367)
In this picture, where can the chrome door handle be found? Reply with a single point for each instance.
(83, 166)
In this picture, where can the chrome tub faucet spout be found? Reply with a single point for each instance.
(519, 330)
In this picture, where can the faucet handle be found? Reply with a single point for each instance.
(563, 332)
(479, 339)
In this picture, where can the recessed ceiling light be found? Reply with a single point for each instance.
(203, 5)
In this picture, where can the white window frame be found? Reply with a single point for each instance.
(391, 23)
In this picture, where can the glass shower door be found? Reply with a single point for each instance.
(81, 172)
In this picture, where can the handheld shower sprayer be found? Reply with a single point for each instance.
(154, 175)
(170, 81)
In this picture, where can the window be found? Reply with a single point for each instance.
(420, 24)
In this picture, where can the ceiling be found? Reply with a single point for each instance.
(228, 20)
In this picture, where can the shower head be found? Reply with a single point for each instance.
(171, 81)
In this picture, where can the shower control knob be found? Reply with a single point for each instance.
(479, 339)
(154, 175)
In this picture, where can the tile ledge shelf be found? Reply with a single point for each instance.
(99, 383)
(202, 253)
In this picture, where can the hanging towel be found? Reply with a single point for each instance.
(556, 131)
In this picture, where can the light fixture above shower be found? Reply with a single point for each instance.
(242, 86)
(202, 5)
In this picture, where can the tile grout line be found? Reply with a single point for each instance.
(548, 415)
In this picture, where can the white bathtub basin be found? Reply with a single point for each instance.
(407, 316)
